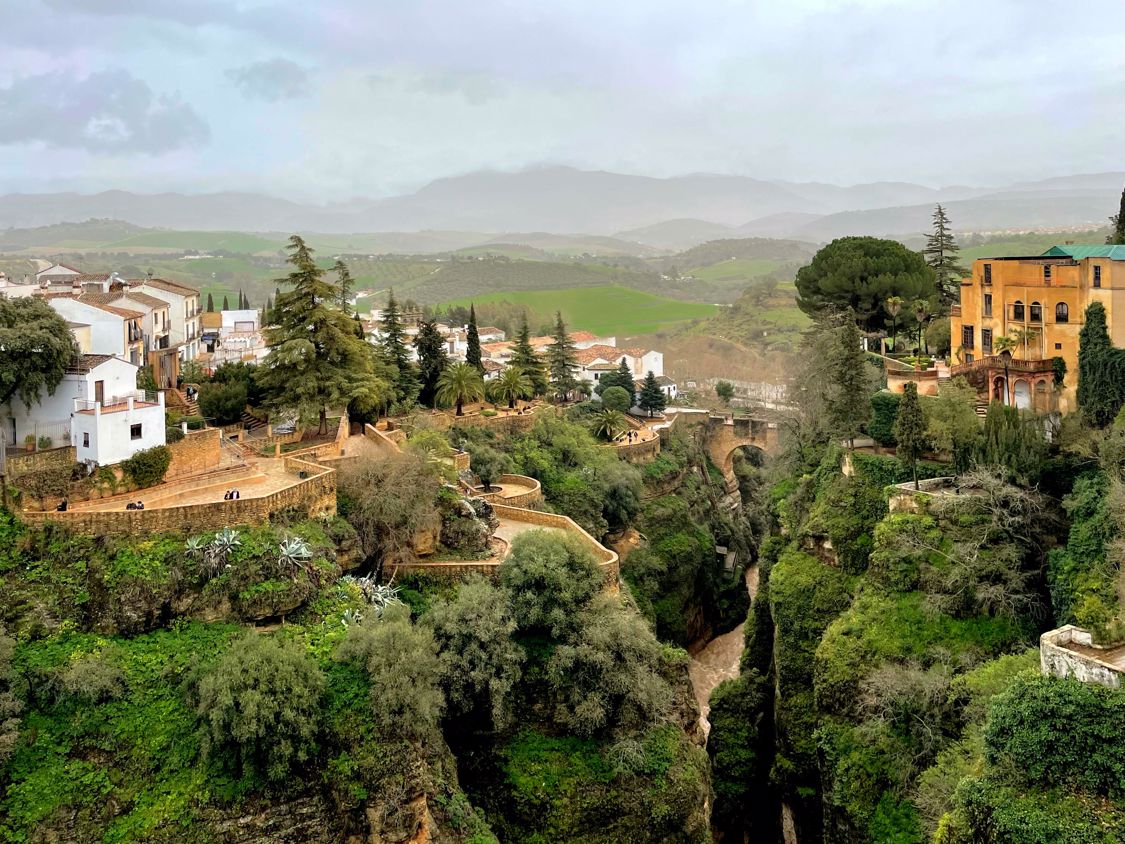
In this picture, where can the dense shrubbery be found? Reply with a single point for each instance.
(260, 705)
(147, 467)
(1049, 732)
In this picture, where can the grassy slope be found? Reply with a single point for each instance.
(604, 310)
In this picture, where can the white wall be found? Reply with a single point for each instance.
(231, 320)
(107, 331)
(110, 433)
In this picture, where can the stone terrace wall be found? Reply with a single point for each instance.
(315, 494)
(198, 451)
(607, 559)
(29, 463)
(382, 441)
(1057, 660)
(532, 498)
(640, 452)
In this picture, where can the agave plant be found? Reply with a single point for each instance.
(196, 546)
(378, 595)
(351, 617)
(220, 549)
(292, 554)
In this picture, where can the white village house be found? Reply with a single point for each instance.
(96, 408)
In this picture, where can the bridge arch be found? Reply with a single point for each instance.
(727, 434)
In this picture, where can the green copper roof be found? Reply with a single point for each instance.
(1086, 250)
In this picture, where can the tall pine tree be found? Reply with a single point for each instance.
(524, 357)
(651, 397)
(561, 361)
(472, 342)
(344, 279)
(1117, 233)
(315, 360)
(393, 339)
(432, 360)
(847, 401)
(910, 430)
(941, 254)
(210, 304)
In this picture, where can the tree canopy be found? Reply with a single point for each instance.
(472, 342)
(651, 397)
(941, 252)
(524, 357)
(1101, 370)
(261, 703)
(861, 273)
(432, 359)
(910, 429)
(315, 359)
(561, 361)
(36, 347)
(460, 383)
(1117, 221)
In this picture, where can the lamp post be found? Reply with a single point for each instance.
(1006, 356)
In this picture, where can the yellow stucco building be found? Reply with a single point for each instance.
(1039, 301)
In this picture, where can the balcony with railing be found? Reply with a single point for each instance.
(128, 401)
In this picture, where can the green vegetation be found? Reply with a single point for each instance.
(606, 310)
(861, 273)
(37, 346)
(147, 466)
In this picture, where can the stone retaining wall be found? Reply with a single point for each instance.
(382, 440)
(607, 559)
(1057, 660)
(530, 499)
(639, 452)
(28, 463)
(315, 494)
(198, 451)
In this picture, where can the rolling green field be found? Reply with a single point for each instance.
(246, 244)
(607, 310)
(737, 270)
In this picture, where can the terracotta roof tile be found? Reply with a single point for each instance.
(86, 363)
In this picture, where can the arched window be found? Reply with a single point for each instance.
(1036, 312)
(1062, 312)
(1017, 310)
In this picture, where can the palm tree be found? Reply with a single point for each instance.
(458, 384)
(1024, 336)
(511, 385)
(1005, 343)
(921, 311)
(893, 306)
(607, 424)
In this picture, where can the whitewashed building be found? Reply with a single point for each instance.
(183, 311)
(96, 408)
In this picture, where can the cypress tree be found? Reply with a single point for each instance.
(1101, 370)
(524, 357)
(1117, 234)
(941, 254)
(910, 429)
(394, 346)
(472, 352)
(226, 304)
(561, 361)
(210, 304)
(651, 397)
(847, 401)
(432, 360)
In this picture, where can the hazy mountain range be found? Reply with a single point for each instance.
(671, 213)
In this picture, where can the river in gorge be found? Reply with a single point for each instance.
(718, 660)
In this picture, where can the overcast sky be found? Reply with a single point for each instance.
(331, 99)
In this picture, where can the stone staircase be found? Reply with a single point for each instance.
(176, 399)
(251, 423)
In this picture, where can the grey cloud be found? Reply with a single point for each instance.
(107, 112)
(180, 11)
(475, 87)
(273, 80)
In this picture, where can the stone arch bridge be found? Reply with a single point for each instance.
(727, 433)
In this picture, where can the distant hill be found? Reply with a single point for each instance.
(666, 213)
(676, 234)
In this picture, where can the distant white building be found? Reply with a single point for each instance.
(185, 329)
(113, 330)
(11, 290)
(96, 408)
(595, 360)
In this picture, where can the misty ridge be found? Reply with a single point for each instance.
(662, 213)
